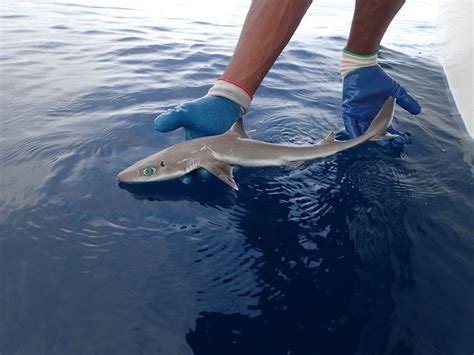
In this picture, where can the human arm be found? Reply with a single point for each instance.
(268, 27)
(370, 22)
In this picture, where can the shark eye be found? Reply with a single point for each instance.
(162, 163)
(149, 171)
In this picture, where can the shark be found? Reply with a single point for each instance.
(218, 154)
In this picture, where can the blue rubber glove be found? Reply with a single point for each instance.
(207, 116)
(363, 94)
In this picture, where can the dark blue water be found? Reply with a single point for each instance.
(367, 252)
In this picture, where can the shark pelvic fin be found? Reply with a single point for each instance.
(384, 137)
(330, 137)
(238, 129)
(222, 171)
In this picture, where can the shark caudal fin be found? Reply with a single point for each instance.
(378, 128)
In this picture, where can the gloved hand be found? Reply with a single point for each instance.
(210, 115)
(366, 86)
(207, 116)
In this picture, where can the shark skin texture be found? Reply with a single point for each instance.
(217, 154)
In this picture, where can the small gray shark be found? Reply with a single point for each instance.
(217, 154)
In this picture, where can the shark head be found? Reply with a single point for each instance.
(182, 158)
(164, 165)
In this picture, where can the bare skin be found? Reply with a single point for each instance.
(371, 20)
(268, 27)
(271, 23)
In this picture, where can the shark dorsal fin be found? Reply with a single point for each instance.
(238, 129)
(329, 138)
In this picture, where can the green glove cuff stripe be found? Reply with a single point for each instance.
(362, 56)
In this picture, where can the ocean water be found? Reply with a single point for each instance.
(366, 252)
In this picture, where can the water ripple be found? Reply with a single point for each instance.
(335, 255)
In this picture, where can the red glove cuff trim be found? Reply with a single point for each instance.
(238, 85)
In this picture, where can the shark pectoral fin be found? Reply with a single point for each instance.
(222, 171)
(384, 137)
(238, 129)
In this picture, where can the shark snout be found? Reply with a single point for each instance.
(127, 175)
(121, 176)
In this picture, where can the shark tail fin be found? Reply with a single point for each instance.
(378, 128)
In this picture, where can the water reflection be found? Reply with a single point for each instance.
(364, 252)
(326, 263)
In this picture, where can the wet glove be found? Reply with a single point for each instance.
(366, 86)
(210, 115)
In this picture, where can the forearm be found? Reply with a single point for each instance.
(267, 29)
(371, 20)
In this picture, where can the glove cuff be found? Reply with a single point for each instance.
(232, 91)
(351, 61)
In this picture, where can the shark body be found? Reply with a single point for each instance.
(217, 154)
